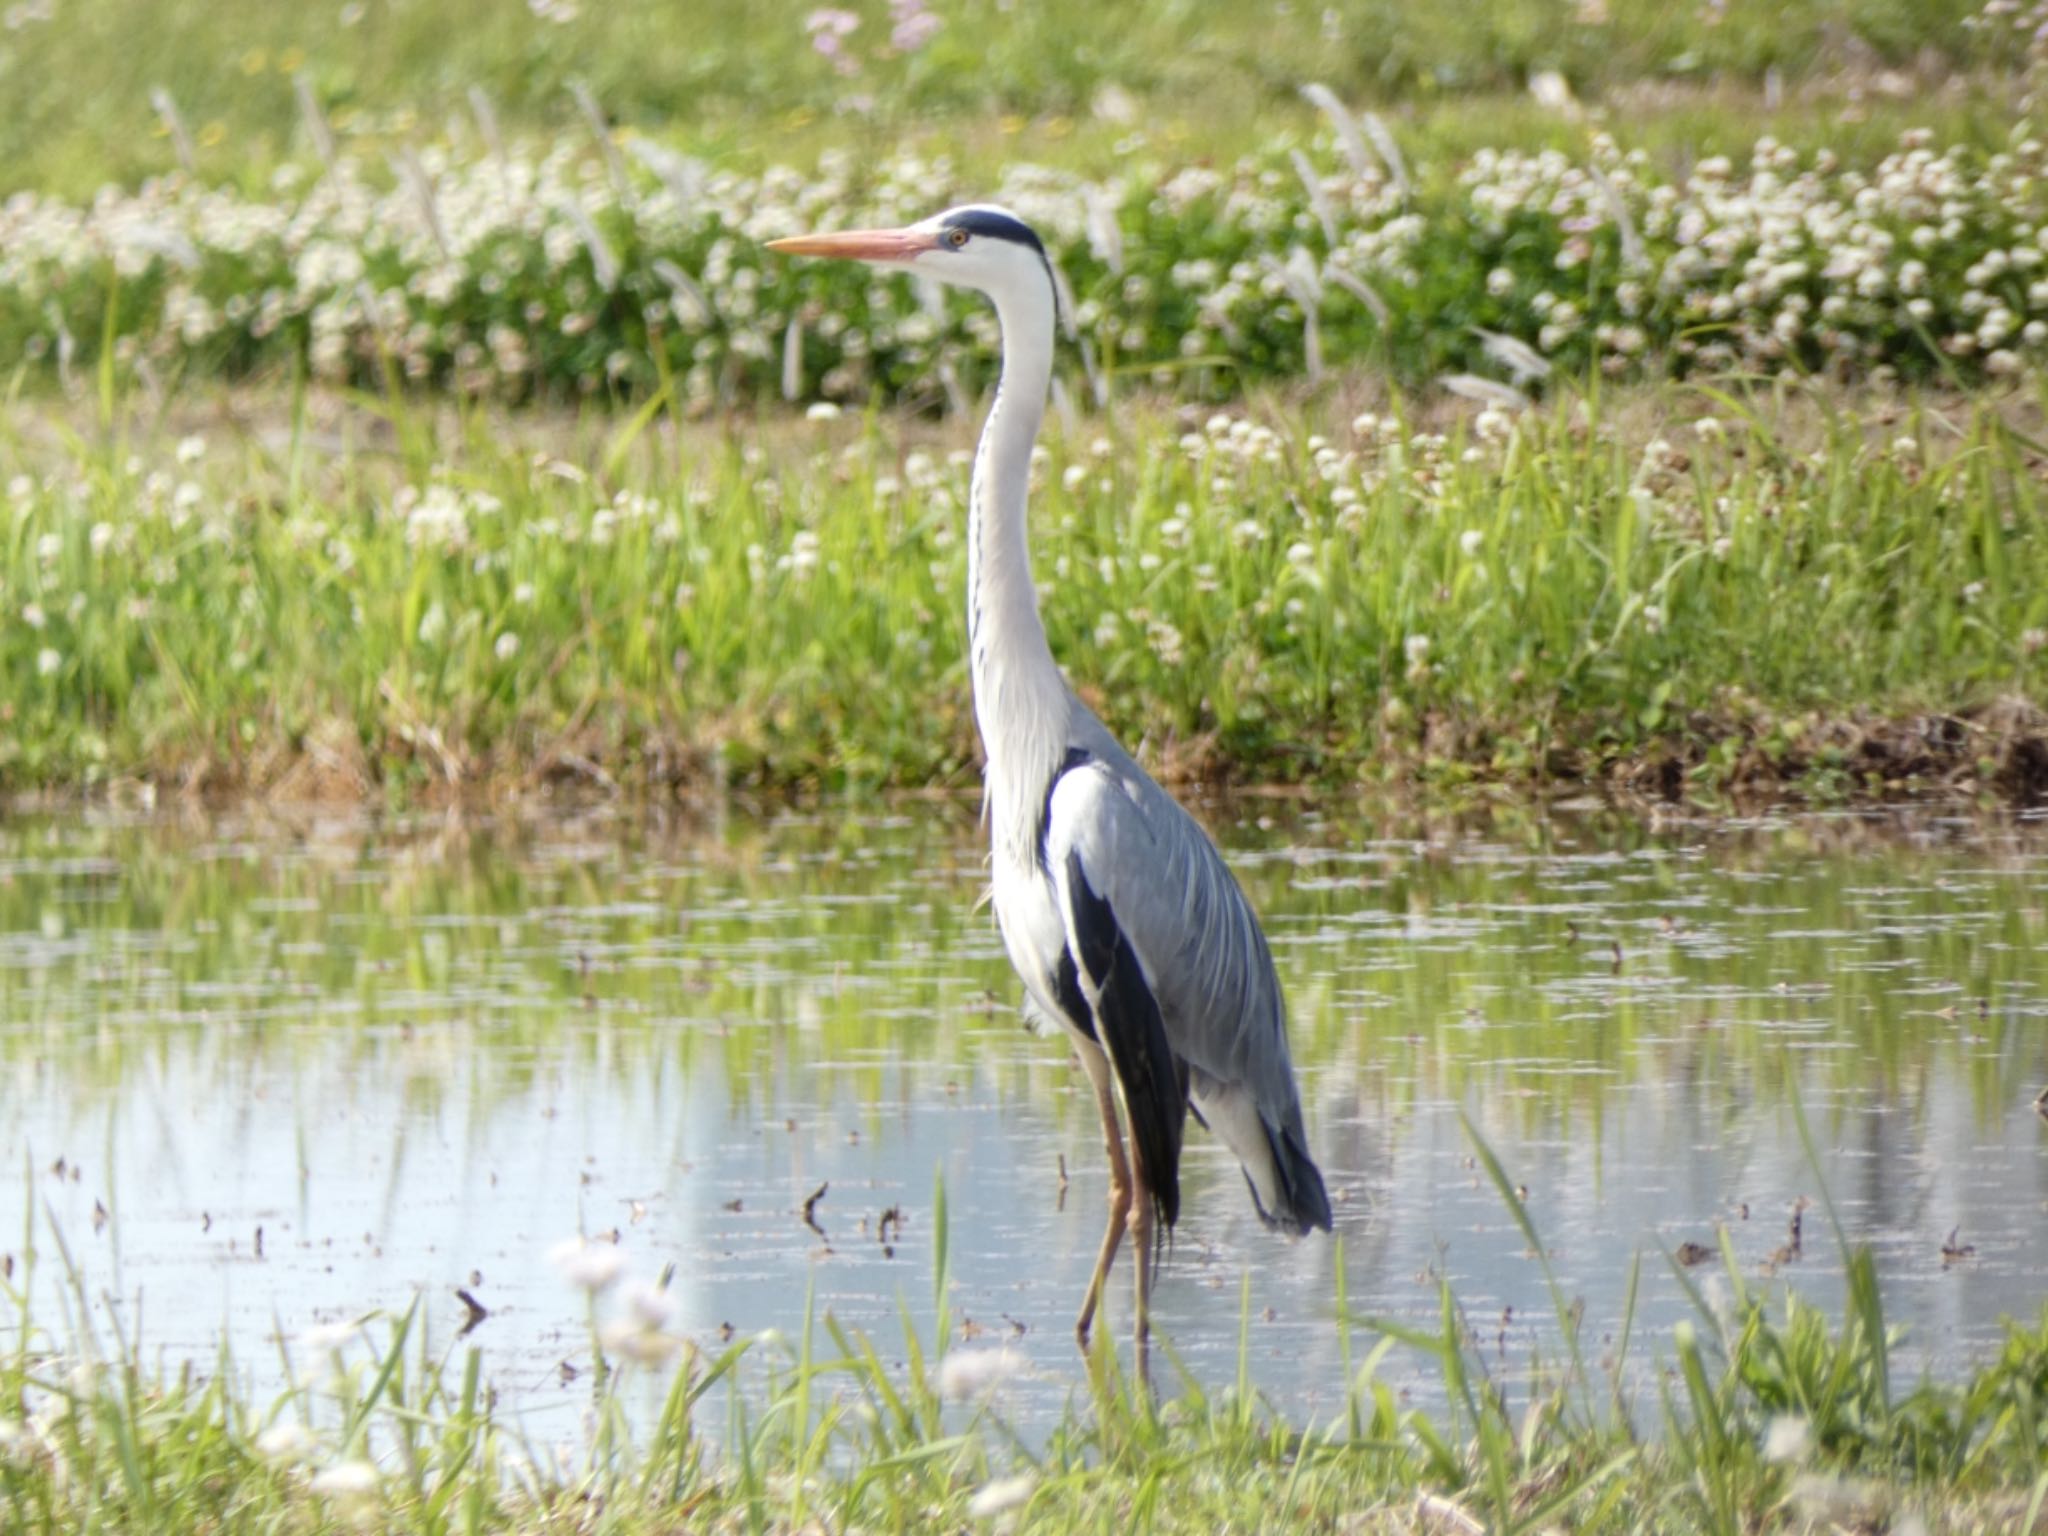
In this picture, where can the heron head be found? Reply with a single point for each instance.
(975, 246)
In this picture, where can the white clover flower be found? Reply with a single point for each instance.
(191, 449)
(1653, 618)
(101, 538)
(638, 1343)
(49, 662)
(1789, 1438)
(1471, 541)
(1073, 478)
(589, 1266)
(33, 616)
(1301, 555)
(1166, 642)
(1416, 648)
(822, 410)
(288, 1441)
(966, 1374)
(1003, 1494)
(347, 1481)
(651, 1306)
(507, 646)
(803, 553)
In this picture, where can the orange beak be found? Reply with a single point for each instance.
(859, 245)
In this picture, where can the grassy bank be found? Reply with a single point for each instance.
(729, 77)
(1763, 1416)
(1692, 589)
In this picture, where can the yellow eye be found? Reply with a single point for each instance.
(956, 238)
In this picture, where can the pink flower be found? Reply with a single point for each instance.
(829, 29)
(914, 26)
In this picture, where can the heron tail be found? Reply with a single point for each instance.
(1303, 1203)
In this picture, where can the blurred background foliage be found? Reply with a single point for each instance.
(774, 79)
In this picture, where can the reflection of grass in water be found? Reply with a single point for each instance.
(1768, 1418)
(467, 961)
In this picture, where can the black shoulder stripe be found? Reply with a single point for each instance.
(1076, 757)
(1133, 1034)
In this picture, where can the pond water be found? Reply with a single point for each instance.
(267, 1073)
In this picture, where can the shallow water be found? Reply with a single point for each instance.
(267, 1073)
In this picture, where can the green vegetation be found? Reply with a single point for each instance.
(729, 77)
(269, 522)
(557, 271)
(419, 602)
(1763, 1418)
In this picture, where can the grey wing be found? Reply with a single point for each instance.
(1132, 867)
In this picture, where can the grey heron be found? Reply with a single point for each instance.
(1123, 921)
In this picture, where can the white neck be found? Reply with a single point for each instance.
(1020, 699)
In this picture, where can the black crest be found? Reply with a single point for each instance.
(989, 224)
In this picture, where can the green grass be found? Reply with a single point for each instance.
(733, 77)
(394, 601)
(1762, 1416)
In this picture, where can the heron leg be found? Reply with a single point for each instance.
(1119, 1187)
(1141, 1221)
